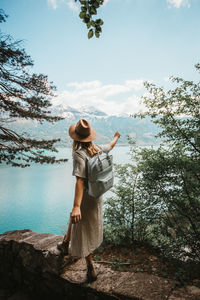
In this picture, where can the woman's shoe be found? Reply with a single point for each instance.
(91, 273)
(63, 247)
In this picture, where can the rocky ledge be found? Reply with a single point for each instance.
(30, 264)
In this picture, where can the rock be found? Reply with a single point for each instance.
(31, 264)
(37, 251)
(121, 284)
(189, 292)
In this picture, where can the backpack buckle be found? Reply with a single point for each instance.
(109, 160)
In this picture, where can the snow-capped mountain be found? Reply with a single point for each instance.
(143, 131)
(84, 111)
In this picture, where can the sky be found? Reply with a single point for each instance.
(141, 40)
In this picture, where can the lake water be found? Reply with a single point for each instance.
(40, 197)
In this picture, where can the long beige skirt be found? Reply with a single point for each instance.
(87, 235)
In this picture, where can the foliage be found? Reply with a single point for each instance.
(23, 96)
(126, 216)
(174, 168)
(168, 178)
(88, 10)
(171, 186)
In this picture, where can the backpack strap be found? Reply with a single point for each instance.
(108, 156)
(82, 153)
(99, 152)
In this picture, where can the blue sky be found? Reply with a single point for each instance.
(141, 40)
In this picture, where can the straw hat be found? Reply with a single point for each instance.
(82, 131)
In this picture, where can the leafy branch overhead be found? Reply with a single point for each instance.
(88, 10)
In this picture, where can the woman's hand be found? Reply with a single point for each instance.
(117, 134)
(75, 215)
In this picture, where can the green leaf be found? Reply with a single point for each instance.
(99, 22)
(93, 10)
(86, 20)
(90, 33)
(88, 25)
(84, 9)
(97, 34)
(96, 4)
(98, 28)
(82, 15)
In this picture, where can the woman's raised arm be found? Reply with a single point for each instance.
(114, 141)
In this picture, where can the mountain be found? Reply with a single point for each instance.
(83, 112)
(142, 130)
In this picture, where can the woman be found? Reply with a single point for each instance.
(86, 223)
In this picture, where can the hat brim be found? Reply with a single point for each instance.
(77, 137)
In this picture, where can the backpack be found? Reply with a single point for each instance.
(99, 172)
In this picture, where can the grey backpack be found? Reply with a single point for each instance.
(99, 171)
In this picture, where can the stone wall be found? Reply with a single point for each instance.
(30, 262)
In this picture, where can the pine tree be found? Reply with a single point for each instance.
(23, 95)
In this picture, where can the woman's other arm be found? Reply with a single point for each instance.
(76, 211)
(114, 141)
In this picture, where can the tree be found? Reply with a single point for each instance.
(88, 9)
(163, 186)
(172, 172)
(23, 95)
(121, 210)
(127, 213)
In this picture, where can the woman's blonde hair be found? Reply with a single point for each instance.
(89, 146)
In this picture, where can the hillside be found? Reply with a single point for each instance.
(142, 130)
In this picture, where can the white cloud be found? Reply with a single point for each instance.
(166, 79)
(110, 98)
(134, 84)
(179, 3)
(72, 5)
(53, 3)
(106, 2)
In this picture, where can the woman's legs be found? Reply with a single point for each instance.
(89, 259)
(91, 273)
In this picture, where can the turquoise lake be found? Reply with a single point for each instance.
(40, 197)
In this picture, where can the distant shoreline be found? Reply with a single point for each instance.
(118, 145)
